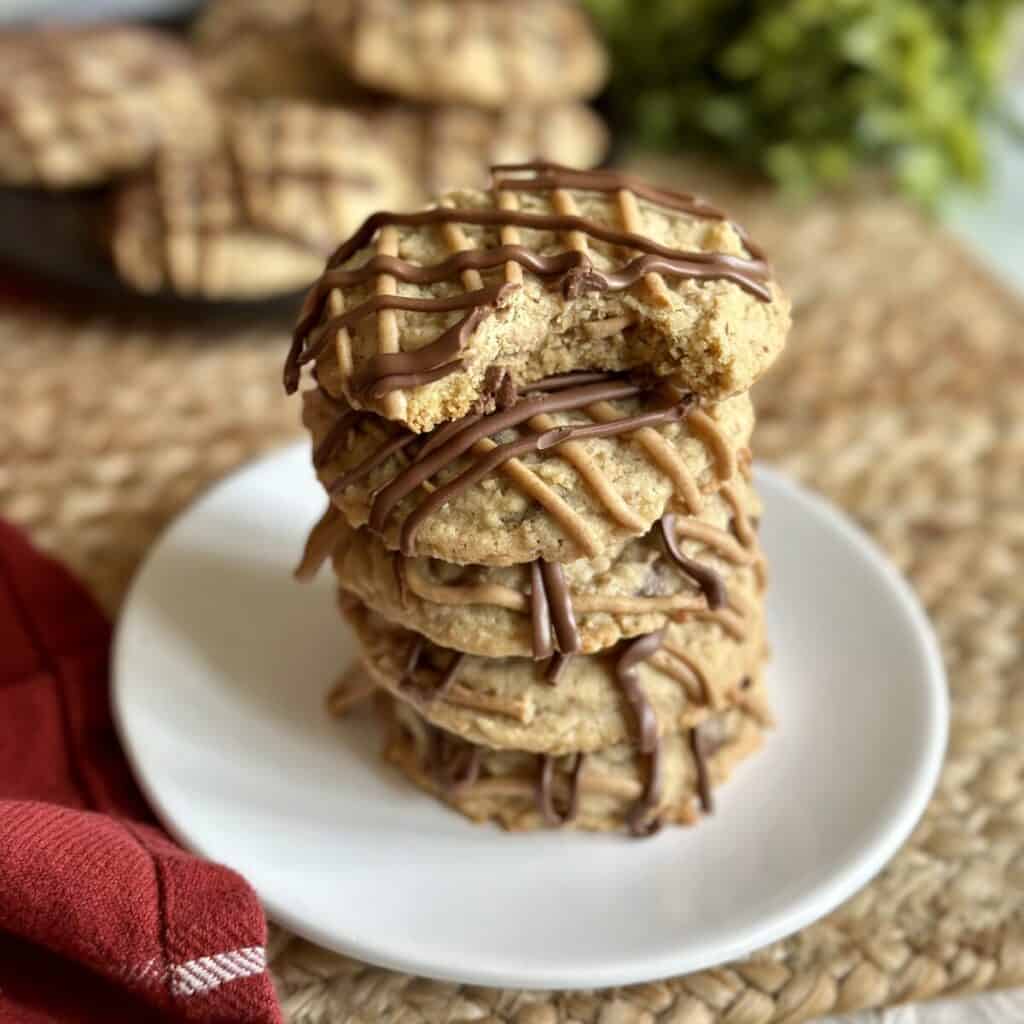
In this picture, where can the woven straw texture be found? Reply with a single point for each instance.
(899, 397)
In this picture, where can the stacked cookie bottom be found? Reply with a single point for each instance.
(611, 693)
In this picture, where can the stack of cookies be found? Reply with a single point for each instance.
(529, 410)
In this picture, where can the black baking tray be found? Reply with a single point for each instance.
(55, 239)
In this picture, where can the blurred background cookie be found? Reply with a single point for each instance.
(80, 105)
(479, 52)
(257, 214)
(310, 114)
(442, 146)
(311, 172)
(267, 48)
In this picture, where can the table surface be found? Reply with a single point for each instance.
(898, 398)
(992, 226)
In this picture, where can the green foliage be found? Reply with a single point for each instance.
(808, 91)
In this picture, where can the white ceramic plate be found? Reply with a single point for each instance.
(222, 663)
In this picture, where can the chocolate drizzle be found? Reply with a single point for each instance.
(563, 621)
(326, 448)
(709, 581)
(551, 612)
(548, 176)
(540, 614)
(460, 436)
(574, 269)
(453, 765)
(433, 453)
(749, 273)
(388, 371)
(401, 580)
(700, 755)
(447, 680)
(513, 449)
(557, 664)
(636, 651)
(412, 662)
(370, 463)
(545, 797)
(498, 456)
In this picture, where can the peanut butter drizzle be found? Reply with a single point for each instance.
(461, 441)
(576, 455)
(730, 620)
(626, 604)
(741, 521)
(498, 595)
(681, 672)
(690, 664)
(517, 709)
(725, 458)
(743, 529)
(395, 404)
(342, 340)
(661, 454)
(531, 486)
(390, 371)
(722, 543)
(462, 594)
(352, 687)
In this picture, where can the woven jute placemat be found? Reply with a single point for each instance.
(900, 397)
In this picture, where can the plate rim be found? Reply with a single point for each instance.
(852, 876)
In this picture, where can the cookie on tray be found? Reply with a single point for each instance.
(445, 147)
(264, 49)
(574, 466)
(81, 105)
(685, 567)
(551, 270)
(614, 789)
(254, 215)
(309, 171)
(478, 52)
(675, 678)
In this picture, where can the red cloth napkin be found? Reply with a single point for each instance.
(102, 917)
